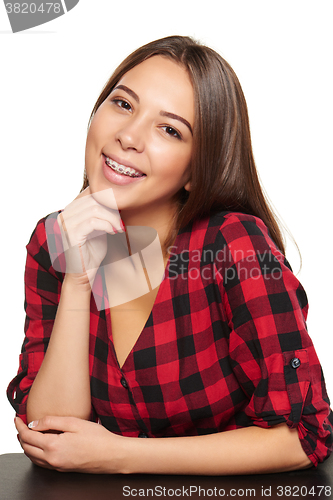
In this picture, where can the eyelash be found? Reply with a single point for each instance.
(121, 101)
(174, 133)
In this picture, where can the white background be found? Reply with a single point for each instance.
(51, 76)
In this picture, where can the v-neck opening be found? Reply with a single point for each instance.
(108, 316)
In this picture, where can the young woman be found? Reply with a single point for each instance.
(215, 357)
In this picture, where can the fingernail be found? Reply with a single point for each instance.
(122, 225)
(33, 424)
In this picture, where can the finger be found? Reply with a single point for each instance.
(103, 199)
(36, 455)
(88, 211)
(93, 228)
(86, 229)
(33, 452)
(88, 198)
(19, 424)
(77, 205)
(25, 435)
(81, 202)
(77, 231)
(63, 424)
(40, 463)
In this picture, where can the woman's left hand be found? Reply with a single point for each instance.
(70, 444)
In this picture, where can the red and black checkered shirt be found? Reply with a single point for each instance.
(225, 345)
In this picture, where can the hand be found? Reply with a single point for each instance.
(81, 446)
(84, 224)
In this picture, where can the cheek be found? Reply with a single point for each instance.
(88, 157)
(97, 130)
(172, 159)
(93, 146)
(178, 165)
(89, 142)
(93, 134)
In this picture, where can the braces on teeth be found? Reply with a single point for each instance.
(121, 169)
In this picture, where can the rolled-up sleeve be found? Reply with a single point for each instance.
(42, 294)
(271, 353)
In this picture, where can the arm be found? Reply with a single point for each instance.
(62, 385)
(54, 369)
(249, 450)
(272, 355)
(89, 447)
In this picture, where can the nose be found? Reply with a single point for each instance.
(130, 135)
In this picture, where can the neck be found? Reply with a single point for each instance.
(160, 220)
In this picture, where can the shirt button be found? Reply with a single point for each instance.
(123, 382)
(295, 363)
(142, 435)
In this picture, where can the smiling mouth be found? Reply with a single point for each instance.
(122, 169)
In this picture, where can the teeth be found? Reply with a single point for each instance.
(121, 168)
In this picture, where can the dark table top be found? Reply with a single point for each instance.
(21, 480)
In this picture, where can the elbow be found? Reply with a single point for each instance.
(299, 458)
(38, 415)
(303, 463)
(36, 411)
(291, 453)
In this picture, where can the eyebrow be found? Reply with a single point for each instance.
(129, 91)
(162, 113)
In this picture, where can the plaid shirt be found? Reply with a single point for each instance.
(225, 345)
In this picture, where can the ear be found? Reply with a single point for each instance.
(188, 186)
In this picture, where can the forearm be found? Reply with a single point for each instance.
(250, 450)
(62, 385)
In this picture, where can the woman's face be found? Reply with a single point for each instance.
(144, 128)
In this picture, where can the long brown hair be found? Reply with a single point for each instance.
(223, 171)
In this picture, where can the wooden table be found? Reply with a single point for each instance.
(21, 480)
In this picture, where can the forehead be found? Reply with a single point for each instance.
(161, 80)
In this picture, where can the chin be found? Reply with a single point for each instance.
(104, 195)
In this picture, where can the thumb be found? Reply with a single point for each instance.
(62, 424)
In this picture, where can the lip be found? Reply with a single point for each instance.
(115, 178)
(122, 162)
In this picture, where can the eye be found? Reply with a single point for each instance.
(172, 132)
(121, 103)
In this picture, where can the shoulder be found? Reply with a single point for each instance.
(38, 236)
(245, 231)
(234, 229)
(44, 236)
(238, 224)
(231, 237)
